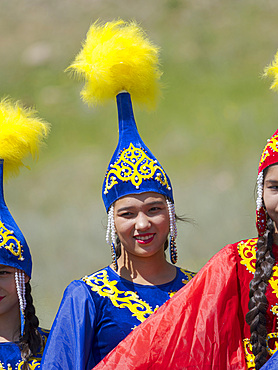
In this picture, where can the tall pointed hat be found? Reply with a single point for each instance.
(269, 155)
(21, 134)
(117, 60)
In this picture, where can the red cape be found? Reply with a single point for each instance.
(198, 328)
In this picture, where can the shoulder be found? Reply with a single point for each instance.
(100, 278)
(233, 250)
(44, 332)
(76, 292)
(77, 286)
(185, 274)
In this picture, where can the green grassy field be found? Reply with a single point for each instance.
(208, 130)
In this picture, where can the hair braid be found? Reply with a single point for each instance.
(256, 317)
(31, 340)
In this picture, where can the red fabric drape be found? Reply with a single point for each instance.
(199, 328)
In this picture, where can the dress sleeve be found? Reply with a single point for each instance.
(272, 363)
(70, 340)
(199, 328)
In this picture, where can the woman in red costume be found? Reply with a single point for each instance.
(227, 316)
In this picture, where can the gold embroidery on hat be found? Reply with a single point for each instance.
(272, 144)
(7, 236)
(135, 166)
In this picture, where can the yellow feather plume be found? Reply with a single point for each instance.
(21, 133)
(272, 71)
(118, 56)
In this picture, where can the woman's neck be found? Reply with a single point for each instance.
(146, 271)
(9, 328)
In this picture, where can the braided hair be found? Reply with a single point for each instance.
(31, 341)
(256, 317)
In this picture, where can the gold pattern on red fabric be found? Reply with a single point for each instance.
(247, 251)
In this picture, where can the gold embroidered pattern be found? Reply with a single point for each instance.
(250, 358)
(100, 283)
(44, 334)
(6, 240)
(33, 364)
(273, 281)
(247, 251)
(272, 144)
(134, 166)
(189, 275)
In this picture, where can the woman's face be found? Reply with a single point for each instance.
(271, 193)
(8, 294)
(142, 223)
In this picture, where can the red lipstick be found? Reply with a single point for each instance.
(144, 238)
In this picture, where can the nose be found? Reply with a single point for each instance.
(142, 222)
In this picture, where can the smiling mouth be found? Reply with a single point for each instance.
(144, 239)
(1, 298)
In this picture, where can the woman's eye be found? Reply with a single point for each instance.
(274, 187)
(153, 209)
(126, 214)
(5, 272)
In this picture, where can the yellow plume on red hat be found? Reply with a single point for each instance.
(21, 133)
(272, 71)
(118, 56)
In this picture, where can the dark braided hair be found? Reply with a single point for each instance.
(31, 341)
(256, 317)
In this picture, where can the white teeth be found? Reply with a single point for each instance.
(143, 237)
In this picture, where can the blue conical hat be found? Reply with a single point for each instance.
(14, 250)
(133, 168)
(118, 56)
(21, 133)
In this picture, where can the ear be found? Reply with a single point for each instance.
(26, 278)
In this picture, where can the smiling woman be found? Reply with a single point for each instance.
(227, 316)
(100, 310)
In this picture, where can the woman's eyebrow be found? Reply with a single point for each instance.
(272, 181)
(154, 203)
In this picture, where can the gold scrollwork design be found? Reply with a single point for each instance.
(273, 281)
(100, 283)
(188, 276)
(247, 252)
(134, 166)
(34, 364)
(272, 144)
(6, 240)
(249, 357)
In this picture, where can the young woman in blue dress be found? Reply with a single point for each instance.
(100, 310)
(21, 339)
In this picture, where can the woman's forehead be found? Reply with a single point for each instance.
(6, 266)
(141, 198)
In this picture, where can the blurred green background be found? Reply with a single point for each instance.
(208, 130)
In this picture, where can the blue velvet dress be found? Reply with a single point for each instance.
(99, 311)
(10, 356)
(272, 363)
